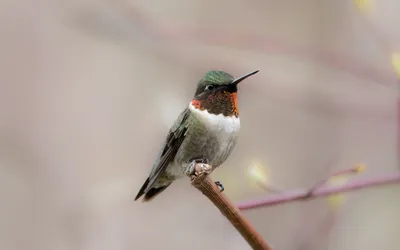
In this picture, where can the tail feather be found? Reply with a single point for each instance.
(141, 191)
(153, 192)
(150, 194)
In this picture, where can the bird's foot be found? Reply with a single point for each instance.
(221, 187)
(200, 160)
(190, 168)
(198, 167)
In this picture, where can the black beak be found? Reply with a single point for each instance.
(239, 79)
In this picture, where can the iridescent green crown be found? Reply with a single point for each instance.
(217, 77)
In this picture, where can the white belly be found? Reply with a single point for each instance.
(218, 123)
(224, 127)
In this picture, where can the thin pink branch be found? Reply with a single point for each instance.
(304, 194)
(353, 170)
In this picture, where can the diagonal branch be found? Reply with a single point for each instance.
(205, 185)
(303, 194)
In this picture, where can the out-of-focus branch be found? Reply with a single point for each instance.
(170, 33)
(387, 47)
(205, 185)
(398, 124)
(355, 169)
(321, 191)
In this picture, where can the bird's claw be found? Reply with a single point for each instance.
(198, 167)
(221, 187)
(190, 169)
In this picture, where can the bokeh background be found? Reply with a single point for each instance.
(90, 88)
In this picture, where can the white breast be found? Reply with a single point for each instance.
(218, 123)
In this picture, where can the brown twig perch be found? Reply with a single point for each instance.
(205, 185)
(296, 195)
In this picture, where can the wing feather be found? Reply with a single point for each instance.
(173, 141)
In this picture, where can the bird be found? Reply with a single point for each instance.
(206, 131)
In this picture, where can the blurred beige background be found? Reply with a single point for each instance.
(90, 88)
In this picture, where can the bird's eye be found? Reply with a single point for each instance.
(209, 87)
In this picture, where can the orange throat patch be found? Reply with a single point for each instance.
(224, 102)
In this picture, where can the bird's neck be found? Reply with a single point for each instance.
(223, 102)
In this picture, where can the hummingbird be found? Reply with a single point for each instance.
(206, 131)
